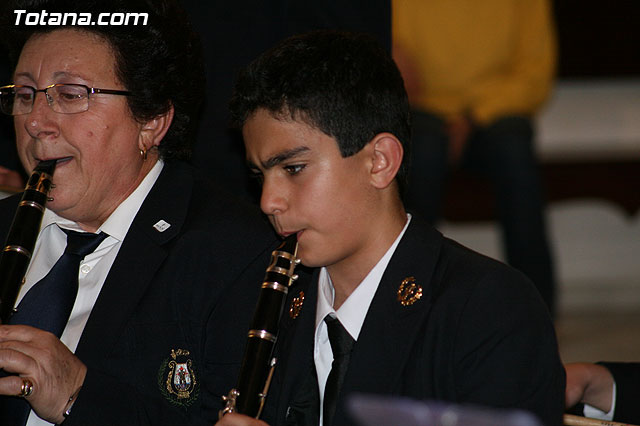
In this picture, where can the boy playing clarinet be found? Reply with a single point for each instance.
(397, 308)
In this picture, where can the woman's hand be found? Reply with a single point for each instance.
(39, 356)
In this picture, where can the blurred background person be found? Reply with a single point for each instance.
(157, 304)
(476, 73)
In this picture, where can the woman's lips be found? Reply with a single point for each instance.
(59, 160)
(63, 160)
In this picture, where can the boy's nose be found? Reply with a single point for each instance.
(272, 200)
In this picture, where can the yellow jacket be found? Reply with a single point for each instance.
(486, 58)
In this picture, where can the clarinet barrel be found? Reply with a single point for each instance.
(257, 364)
(22, 236)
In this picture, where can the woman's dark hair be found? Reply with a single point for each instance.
(344, 84)
(159, 62)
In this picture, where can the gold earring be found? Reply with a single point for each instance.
(143, 153)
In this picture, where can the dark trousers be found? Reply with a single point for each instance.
(503, 153)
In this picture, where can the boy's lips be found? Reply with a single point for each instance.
(285, 234)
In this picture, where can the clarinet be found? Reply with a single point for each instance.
(258, 364)
(23, 233)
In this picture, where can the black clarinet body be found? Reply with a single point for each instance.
(258, 363)
(22, 236)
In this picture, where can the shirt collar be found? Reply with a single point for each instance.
(353, 311)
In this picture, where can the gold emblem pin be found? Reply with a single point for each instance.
(296, 305)
(409, 292)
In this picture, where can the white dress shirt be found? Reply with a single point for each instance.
(351, 314)
(95, 266)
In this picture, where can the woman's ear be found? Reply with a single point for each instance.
(152, 132)
(386, 156)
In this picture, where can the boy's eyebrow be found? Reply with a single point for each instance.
(283, 156)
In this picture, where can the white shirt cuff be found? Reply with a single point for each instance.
(596, 413)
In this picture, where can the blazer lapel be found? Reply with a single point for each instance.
(295, 346)
(389, 329)
(141, 255)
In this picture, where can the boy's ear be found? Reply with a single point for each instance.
(152, 132)
(386, 158)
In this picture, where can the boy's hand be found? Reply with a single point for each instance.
(239, 420)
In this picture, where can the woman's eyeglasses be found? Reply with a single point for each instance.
(63, 98)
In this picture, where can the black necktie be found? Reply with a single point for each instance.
(47, 305)
(341, 345)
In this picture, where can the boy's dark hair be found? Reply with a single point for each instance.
(160, 63)
(344, 84)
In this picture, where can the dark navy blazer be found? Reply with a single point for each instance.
(479, 334)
